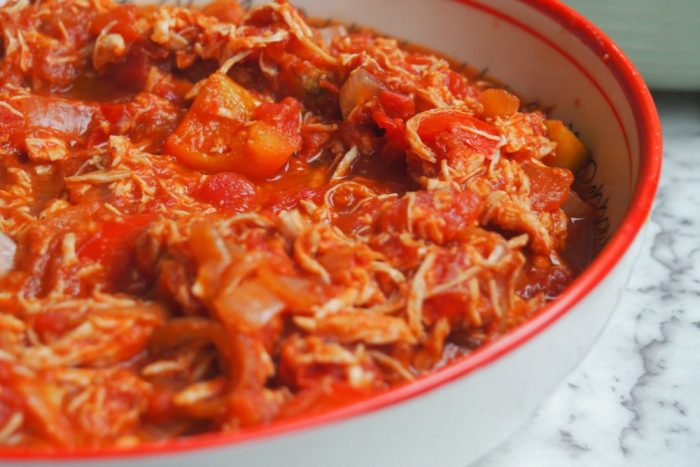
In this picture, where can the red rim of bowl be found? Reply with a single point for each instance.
(650, 146)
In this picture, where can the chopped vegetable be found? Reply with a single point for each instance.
(549, 186)
(228, 11)
(444, 134)
(499, 103)
(359, 88)
(228, 191)
(570, 152)
(227, 129)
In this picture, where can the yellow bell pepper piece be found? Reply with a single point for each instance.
(499, 103)
(570, 152)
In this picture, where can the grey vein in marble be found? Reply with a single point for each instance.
(635, 399)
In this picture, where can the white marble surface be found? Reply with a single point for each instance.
(635, 399)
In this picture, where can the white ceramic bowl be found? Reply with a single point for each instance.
(549, 53)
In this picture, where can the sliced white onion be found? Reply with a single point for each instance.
(360, 87)
(8, 250)
(331, 32)
(251, 304)
(576, 208)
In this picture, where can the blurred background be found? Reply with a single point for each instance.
(662, 37)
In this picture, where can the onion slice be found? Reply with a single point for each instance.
(360, 87)
(8, 250)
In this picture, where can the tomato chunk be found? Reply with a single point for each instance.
(397, 105)
(228, 191)
(227, 11)
(549, 186)
(122, 20)
(109, 244)
(446, 133)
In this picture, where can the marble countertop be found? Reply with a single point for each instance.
(635, 399)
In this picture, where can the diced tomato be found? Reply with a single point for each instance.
(50, 69)
(549, 186)
(68, 21)
(113, 245)
(403, 256)
(228, 11)
(390, 115)
(395, 133)
(228, 191)
(115, 114)
(397, 105)
(124, 20)
(452, 304)
(462, 211)
(51, 324)
(114, 234)
(459, 86)
(446, 131)
(146, 119)
(51, 52)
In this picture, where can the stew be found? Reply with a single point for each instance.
(218, 218)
